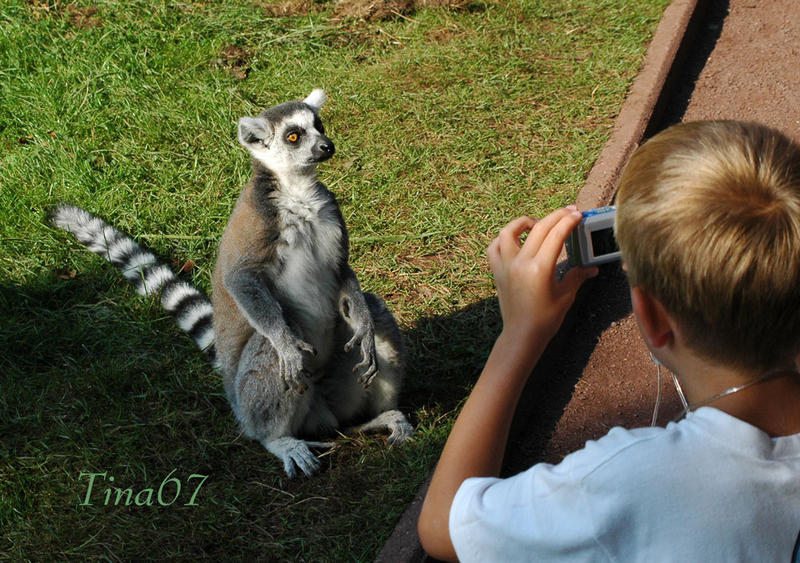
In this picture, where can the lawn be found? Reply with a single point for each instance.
(450, 118)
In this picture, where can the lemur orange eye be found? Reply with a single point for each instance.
(292, 137)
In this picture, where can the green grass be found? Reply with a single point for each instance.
(449, 121)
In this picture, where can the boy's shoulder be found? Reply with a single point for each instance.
(703, 440)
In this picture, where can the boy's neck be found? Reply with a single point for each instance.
(769, 404)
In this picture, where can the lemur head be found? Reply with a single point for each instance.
(288, 137)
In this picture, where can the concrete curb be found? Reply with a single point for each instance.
(639, 117)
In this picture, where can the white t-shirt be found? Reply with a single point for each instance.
(708, 488)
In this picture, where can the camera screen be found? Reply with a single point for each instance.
(603, 242)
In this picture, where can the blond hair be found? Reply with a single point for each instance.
(708, 222)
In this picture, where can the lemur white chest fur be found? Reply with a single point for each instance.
(309, 251)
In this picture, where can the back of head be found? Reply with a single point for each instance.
(708, 222)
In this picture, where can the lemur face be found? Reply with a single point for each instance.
(302, 138)
(289, 136)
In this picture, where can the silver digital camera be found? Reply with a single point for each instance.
(592, 242)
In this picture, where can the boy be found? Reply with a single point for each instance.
(708, 222)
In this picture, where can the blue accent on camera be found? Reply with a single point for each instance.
(598, 211)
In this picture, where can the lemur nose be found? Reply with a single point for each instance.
(326, 147)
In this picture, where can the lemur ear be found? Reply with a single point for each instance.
(254, 130)
(316, 98)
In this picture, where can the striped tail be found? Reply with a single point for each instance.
(190, 308)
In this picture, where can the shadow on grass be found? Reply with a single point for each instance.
(92, 382)
(73, 357)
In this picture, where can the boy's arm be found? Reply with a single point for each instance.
(533, 304)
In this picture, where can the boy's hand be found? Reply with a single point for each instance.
(533, 302)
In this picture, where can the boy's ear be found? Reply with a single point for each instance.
(655, 322)
(315, 99)
(254, 131)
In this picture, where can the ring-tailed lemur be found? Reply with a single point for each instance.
(292, 329)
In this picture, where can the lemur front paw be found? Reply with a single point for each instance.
(290, 362)
(365, 337)
(357, 315)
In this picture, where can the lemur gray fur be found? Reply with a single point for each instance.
(302, 350)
